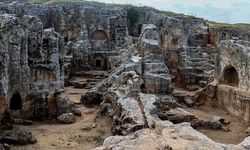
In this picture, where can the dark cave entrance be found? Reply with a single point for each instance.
(231, 76)
(139, 29)
(98, 63)
(66, 39)
(16, 101)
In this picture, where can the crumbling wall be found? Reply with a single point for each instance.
(184, 41)
(30, 60)
(234, 53)
(233, 95)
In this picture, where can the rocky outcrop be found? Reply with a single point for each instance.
(4, 147)
(97, 32)
(121, 104)
(67, 118)
(68, 19)
(155, 73)
(92, 98)
(185, 42)
(17, 137)
(41, 46)
(32, 60)
(169, 138)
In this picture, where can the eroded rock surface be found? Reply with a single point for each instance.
(17, 137)
(44, 46)
(170, 138)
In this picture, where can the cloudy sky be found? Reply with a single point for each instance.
(229, 11)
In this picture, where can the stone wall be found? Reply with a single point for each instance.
(232, 73)
(184, 41)
(234, 53)
(69, 19)
(235, 101)
(30, 59)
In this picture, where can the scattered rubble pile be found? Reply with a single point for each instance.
(44, 47)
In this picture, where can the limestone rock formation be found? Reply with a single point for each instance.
(170, 138)
(17, 137)
(66, 118)
(170, 63)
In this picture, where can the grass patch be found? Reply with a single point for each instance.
(241, 26)
(95, 139)
(134, 12)
(3, 31)
(100, 132)
(94, 3)
(234, 51)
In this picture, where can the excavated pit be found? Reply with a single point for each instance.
(237, 128)
(88, 132)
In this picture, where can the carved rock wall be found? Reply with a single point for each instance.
(30, 59)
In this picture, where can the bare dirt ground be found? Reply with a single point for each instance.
(235, 136)
(78, 136)
(82, 136)
(237, 127)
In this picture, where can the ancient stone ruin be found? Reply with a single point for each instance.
(149, 80)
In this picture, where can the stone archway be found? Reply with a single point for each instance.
(230, 76)
(100, 40)
(99, 35)
(16, 101)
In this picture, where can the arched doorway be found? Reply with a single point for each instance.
(16, 101)
(100, 40)
(100, 62)
(231, 76)
(99, 35)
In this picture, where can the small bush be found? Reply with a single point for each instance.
(98, 139)
(3, 31)
(133, 14)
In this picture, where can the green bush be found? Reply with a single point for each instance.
(133, 14)
(3, 31)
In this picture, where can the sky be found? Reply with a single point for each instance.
(228, 11)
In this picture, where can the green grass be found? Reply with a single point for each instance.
(241, 26)
(176, 15)
(94, 3)
(95, 139)
(3, 31)
(100, 132)
(234, 51)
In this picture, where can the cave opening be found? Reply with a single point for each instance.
(98, 63)
(16, 101)
(139, 29)
(231, 76)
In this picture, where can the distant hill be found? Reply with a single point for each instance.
(241, 26)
